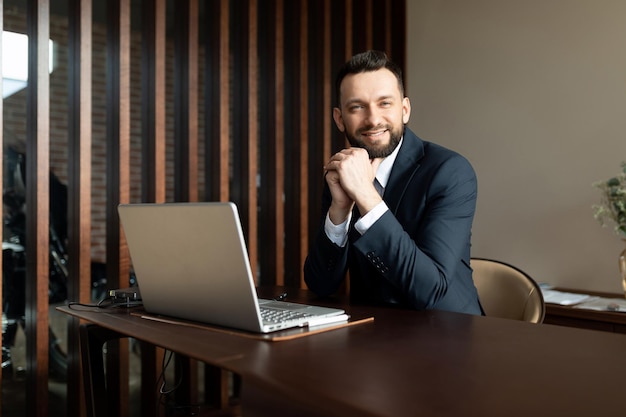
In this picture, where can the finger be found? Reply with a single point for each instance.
(332, 176)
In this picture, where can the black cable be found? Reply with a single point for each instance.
(104, 304)
(171, 408)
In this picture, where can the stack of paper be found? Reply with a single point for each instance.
(564, 298)
(604, 304)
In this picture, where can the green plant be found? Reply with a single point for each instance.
(612, 208)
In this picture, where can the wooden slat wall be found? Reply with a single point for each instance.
(153, 101)
(186, 101)
(302, 132)
(79, 184)
(252, 97)
(1, 171)
(118, 108)
(37, 194)
(153, 90)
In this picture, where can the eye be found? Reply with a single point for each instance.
(386, 104)
(355, 107)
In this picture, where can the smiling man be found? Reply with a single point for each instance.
(397, 210)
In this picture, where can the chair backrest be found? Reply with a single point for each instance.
(507, 292)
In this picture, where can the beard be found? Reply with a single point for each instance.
(395, 136)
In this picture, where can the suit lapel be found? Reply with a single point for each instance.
(404, 168)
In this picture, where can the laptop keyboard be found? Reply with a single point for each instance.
(273, 315)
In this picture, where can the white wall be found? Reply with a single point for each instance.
(533, 93)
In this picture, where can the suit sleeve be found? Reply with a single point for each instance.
(419, 258)
(326, 264)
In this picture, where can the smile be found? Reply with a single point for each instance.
(374, 134)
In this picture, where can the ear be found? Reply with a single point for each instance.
(338, 119)
(406, 110)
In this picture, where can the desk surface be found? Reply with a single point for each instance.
(409, 363)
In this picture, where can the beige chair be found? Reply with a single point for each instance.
(507, 292)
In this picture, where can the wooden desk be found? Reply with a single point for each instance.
(408, 363)
(608, 321)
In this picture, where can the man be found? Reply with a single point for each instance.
(411, 247)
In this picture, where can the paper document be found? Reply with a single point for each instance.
(564, 298)
(604, 304)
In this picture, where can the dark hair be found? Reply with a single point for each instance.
(366, 62)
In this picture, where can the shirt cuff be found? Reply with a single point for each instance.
(337, 233)
(365, 222)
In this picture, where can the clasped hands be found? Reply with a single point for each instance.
(350, 176)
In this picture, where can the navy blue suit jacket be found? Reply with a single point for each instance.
(417, 254)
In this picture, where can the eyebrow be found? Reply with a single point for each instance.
(357, 100)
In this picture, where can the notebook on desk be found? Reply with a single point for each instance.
(191, 262)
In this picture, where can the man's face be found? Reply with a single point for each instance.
(373, 112)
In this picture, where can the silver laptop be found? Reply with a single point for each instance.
(191, 262)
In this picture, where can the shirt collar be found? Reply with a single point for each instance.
(384, 169)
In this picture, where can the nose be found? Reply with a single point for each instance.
(374, 116)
